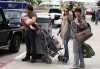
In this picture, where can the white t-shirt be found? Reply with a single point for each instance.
(52, 16)
(71, 16)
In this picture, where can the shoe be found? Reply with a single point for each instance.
(82, 66)
(25, 59)
(73, 68)
(33, 61)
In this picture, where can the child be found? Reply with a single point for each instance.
(27, 20)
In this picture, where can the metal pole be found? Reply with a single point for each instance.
(22, 4)
(49, 4)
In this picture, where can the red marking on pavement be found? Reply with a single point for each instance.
(7, 63)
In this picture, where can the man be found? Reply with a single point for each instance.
(71, 13)
(52, 17)
(71, 19)
(30, 36)
(93, 16)
(97, 17)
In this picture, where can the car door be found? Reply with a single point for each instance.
(3, 29)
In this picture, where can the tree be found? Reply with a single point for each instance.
(30, 1)
(38, 2)
(98, 3)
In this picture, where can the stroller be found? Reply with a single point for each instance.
(50, 46)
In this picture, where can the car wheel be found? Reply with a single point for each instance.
(15, 44)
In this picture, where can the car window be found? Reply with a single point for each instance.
(43, 20)
(1, 18)
(12, 15)
(55, 11)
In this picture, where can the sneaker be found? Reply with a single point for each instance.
(25, 59)
(33, 61)
(82, 66)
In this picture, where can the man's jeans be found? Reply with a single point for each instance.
(97, 19)
(30, 37)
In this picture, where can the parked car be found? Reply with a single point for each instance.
(14, 15)
(58, 15)
(10, 35)
(88, 11)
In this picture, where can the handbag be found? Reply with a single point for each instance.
(87, 51)
(84, 35)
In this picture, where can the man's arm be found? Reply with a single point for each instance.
(33, 21)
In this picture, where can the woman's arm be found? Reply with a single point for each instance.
(82, 24)
(59, 31)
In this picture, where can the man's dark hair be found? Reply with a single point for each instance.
(78, 9)
(29, 7)
(71, 6)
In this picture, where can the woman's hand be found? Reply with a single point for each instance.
(57, 34)
(76, 21)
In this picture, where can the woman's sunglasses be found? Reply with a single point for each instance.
(66, 11)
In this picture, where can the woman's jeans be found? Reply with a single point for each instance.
(66, 49)
(77, 50)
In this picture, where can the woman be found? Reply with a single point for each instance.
(64, 30)
(78, 25)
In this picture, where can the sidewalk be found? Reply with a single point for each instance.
(91, 63)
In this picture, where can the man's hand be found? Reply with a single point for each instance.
(33, 28)
(25, 18)
(37, 24)
(22, 21)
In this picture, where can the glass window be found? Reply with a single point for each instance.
(43, 20)
(55, 11)
(12, 15)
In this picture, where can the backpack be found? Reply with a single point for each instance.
(87, 51)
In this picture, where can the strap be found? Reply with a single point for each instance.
(77, 29)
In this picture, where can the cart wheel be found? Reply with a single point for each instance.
(48, 60)
(65, 59)
(60, 57)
